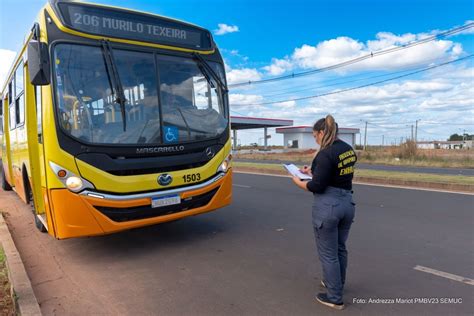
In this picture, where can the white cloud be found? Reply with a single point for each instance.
(225, 29)
(343, 48)
(287, 104)
(234, 54)
(6, 60)
(238, 99)
(242, 75)
(469, 30)
(279, 66)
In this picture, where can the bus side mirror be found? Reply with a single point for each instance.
(38, 63)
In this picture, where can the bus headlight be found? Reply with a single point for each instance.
(71, 181)
(225, 165)
(74, 184)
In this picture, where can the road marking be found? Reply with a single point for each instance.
(241, 186)
(263, 174)
(368, 184)
(445, 275)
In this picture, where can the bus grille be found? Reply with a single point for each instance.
(140, 171)
(141, 212)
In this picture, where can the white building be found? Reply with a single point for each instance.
(436, 144)
(301, 137)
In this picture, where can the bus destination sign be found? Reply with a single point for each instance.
(133, 26)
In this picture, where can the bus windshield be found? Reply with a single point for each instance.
(167, 99)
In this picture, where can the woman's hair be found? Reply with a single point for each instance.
(330, 128)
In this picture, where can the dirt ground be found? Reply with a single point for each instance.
(50, 273)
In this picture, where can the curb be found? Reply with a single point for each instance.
(25, 299)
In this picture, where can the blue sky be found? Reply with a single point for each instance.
(272, 38)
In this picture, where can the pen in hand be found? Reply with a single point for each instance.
(306, 170)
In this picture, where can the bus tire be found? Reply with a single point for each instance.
(39, 224)
(5, 185)
(30, 200)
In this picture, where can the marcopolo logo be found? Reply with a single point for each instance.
(165, 179)
(156, 150)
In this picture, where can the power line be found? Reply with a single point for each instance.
(291, 91)
(362, 58)
(239, 113)
(422, 122)
(426, 132)
(377, 125)
(449, 123)
(361, 86)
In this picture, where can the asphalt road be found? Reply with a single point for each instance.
(445, 171)
(257, 257)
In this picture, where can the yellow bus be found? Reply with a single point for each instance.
(114, 119)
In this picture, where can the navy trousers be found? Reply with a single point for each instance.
(333, 214)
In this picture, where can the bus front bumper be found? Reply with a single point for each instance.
(91, 213)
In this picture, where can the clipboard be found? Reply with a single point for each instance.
(295, 171)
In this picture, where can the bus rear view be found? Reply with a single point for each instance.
(134, 121)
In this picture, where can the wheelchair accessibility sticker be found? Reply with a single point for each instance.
(171, 134)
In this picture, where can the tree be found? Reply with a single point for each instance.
(457, 137)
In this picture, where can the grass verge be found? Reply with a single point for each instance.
(7, 306)
(395, 156)
(427, 180)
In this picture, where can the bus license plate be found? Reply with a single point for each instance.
(165, 200)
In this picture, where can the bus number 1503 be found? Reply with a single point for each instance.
(191, 177)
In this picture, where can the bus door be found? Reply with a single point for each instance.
(18, 139)
(7, 132)
(34, 132)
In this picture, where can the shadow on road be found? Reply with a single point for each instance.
(146, 240)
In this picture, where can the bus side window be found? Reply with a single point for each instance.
(20, 110)
(39, 114)
(11, 107)
(10, 92)
(11, 116)
(19, 96)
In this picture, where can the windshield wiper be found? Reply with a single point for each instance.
(114, 78)
(207, 70)
(185, 123)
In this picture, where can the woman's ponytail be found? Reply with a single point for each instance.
(330, 128)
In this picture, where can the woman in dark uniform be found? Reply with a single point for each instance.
(333, 209)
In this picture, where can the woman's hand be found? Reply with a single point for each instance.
(300, 183)
(306, 170)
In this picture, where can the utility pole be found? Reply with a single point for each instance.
(365, 137)
(416, 130)
(412, 137)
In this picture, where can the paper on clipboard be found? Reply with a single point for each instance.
(295, 171)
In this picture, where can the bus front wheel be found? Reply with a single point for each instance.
(39, 224)
(5, 185)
